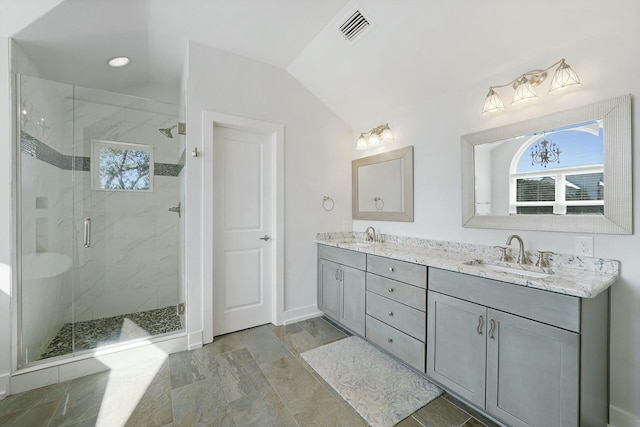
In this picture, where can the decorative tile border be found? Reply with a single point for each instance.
(41, 151)
(166, 169)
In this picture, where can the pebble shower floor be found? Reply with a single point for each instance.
(110, 330)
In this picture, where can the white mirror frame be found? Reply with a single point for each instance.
(406, 215)
(617, 219)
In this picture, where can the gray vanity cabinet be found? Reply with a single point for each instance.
(532, 372)
(341, 286)
(523, 372)
(396, 305)
(353, 299)
(457, 347)
(543, 364)
(329, 288)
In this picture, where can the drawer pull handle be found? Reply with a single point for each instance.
(390, 340)
(391, 313)
(391, 269)
(492, 328)
(480, 324)
(391, 289)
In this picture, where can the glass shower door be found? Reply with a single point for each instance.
(45, 221)
(100, 227)
(128, 276)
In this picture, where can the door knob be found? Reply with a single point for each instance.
(266, 238)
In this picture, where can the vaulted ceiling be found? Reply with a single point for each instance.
(417, 49)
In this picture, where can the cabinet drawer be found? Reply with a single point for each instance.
(551, 308)
(408, 320)
(398, 291)
(408, 349)
(398, 270)
(343, 256)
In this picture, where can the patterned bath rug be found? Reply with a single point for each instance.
(381, 389)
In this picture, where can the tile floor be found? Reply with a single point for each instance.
(249, 378)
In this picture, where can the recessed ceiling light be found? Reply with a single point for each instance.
(119, 61)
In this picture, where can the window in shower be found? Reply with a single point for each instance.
(121, 166)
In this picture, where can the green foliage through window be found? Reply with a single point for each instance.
(122, 167)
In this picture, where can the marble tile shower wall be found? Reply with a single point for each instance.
(133, 262)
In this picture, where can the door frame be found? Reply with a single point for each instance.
(211, 120)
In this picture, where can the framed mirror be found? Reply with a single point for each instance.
(568, 171)
(383, 186)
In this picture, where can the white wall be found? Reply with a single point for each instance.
(608, 65)
(317, 148)
(6, 247)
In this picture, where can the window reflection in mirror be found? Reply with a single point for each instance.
(556, 171)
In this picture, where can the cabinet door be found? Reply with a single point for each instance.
(329, 296)
(353, 297)
(532, 372)
(456, 345)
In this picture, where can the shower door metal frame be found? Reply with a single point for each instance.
(16, 285)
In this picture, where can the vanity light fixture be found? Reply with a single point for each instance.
(118, 61)
(36, 127)
(525, 86)
(378, 135)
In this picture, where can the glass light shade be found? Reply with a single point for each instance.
(387, 135)
(524, 92)
(362, 143)
(564, 78)
(119, 61)
(492, 103)
(374, 139)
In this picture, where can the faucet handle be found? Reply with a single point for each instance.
(503, 253)
(541, 261)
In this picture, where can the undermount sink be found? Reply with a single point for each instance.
(522, 270)
(361, 244)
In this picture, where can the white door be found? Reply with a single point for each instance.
(242, 229)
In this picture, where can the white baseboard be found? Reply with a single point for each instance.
(300, 314)
(195, 340)
(621, 418)
(4, 386)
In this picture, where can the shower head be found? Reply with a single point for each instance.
(167, 131)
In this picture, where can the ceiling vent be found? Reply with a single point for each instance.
(355, 26)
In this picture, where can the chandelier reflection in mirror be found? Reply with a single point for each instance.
(525, 86)
(545, 152)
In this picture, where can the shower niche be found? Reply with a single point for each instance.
(101, 256)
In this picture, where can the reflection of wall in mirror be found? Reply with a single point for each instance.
(501, 164)
(482, 169)
(382, 180)
(492, 162)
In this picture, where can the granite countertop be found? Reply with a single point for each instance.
(569, 274)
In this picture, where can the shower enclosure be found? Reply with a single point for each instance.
(100, 235)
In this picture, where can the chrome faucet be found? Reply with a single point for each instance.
(521, 258)
(370, 237)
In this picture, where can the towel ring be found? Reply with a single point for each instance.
(327, 203)
(379, 206)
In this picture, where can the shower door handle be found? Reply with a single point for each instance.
(87, 232)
